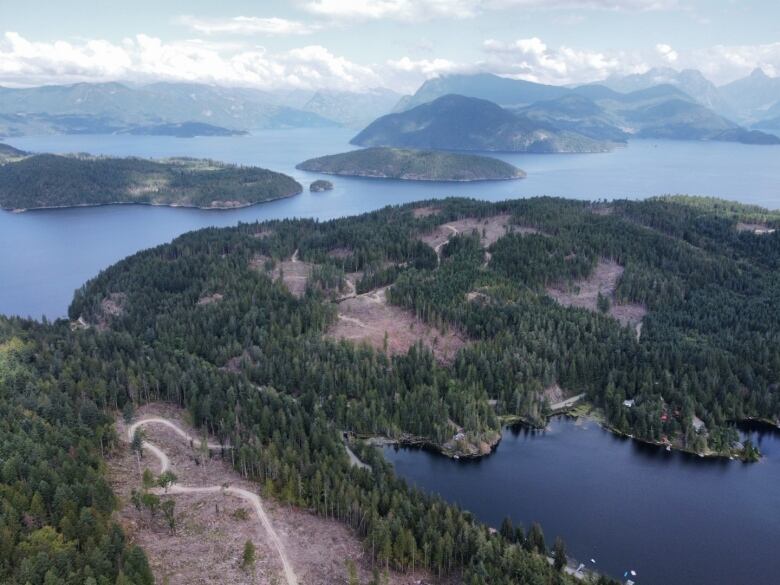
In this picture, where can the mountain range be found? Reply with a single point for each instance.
(587, 119)
(114, 107)
(690, 81)
(352, 109)
(107, 108)
(747, 100)
(662, 103)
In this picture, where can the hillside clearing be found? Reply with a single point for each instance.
(368, 318)
(584, 293)
(212, 527)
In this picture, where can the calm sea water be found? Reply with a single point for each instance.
(46, 255)
(675, 519)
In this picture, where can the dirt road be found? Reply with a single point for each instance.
(246, 495)
(566, 403)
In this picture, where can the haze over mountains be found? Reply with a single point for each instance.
(660, 103)
(115, 107)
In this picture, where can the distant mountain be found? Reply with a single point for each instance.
(413, 165)
(111, 107)
(579, 114)
(664, 111)
(456, 122)
(499, 90)
(32, 124)
(352, 109)
(8, 152)
(182, 130)
(772, 124)
(661, 111)
(754, 96)
(689, 81)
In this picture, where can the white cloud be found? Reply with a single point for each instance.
(667, 52)
(407, 10)
(621, 5)
(533, 60)
(723, 63)
(144, 58)
(424, 67)
(392, 9)
(246, 25)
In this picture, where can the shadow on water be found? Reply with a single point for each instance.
(676, 518)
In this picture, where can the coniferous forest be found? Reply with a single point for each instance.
(256, 369)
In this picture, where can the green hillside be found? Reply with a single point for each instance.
(48, 180)
(413, 165)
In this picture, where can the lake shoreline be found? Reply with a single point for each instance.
(513, 421)
(147, 204)
(414, 180)
(411, 442)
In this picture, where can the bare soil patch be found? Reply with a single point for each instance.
(600, 209)
(490, 229)
(263, 233)
(110, 307)
(113, 305)
(584, 293)
(293, 272)
(425, 211)
(476, 295)
(554, 393)
(208, 299)
(756, 228)
(211, 529)
(368, 318)
(340, 253)
(294, 275)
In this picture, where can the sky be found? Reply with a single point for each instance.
(360, 44)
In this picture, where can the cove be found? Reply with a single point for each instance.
(674, 518)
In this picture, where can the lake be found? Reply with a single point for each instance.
(675, 519)
(46, 255)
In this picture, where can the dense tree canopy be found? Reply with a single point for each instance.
(254, 368)
(48, 180)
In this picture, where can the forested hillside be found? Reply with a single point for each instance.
(48, 180)
(208, 322)
(708, 349)
(55, 520)
(60, 386)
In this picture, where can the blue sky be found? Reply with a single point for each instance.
(357, 44)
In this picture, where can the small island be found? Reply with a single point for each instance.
(413, 165)
(320, 185)
(45, 181)
(183, 130)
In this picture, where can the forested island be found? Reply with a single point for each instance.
(183, 130)
(413, 165)
(432, 322)
(50, 181)
(320, 185)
